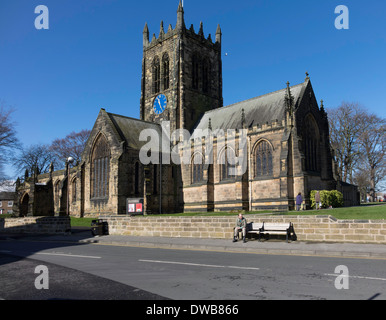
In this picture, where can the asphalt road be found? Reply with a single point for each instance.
(90, 271)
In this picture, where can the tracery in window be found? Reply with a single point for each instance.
(100, 168)
(263, 159)
(310, 138)
(227, 164)
(197, 167)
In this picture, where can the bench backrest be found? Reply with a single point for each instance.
(276, 226)
(257, 225)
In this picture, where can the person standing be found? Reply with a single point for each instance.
(317, 200)
(299, 201)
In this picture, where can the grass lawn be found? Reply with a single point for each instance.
(81, 222)
(363, 212)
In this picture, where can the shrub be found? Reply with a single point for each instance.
(332, 198)
(336, 199)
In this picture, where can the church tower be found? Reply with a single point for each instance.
(181, 74)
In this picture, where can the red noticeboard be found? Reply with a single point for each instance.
(134, 206)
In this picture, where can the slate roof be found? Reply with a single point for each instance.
(258, 110)
(129, 129)
(7, 196)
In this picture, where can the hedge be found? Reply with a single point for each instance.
(332, 198)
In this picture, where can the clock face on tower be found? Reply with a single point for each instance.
(160, 103)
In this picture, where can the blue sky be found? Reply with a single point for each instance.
(90, 58)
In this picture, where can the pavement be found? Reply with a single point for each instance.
(274, 246)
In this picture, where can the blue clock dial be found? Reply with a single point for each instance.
(160, 103)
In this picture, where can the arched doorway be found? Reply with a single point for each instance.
(24, 205)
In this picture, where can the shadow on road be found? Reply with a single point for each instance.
(17, 281)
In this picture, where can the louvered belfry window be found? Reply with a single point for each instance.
(100, 168)
(156, 76)
(165, 73)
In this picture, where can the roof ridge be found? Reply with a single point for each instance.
(257, 97)
(122, 116)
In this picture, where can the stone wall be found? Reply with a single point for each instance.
(307, 228)
(46, 225)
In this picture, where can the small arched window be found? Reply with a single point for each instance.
(227, 164)
(263, 159)
(100, 168)
(165, 74)
(156, 76)
(197, 167)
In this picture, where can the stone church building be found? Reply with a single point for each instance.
(286, 149)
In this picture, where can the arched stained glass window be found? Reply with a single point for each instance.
(227, 164)
(197, 168)
(100, 168)
(263, 159)
(311, 138)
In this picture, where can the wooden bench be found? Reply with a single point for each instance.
(277, 228)
(254, 227)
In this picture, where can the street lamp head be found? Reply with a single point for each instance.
(70, 159)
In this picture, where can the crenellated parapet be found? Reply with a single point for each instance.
(180, 29)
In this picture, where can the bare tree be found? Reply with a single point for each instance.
(372, 140)
(8, 138)
(35, 159)
(71, 146)
(346, 124)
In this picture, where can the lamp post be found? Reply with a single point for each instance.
(68, 161)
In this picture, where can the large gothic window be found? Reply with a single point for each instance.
(156, 75)
(263, 159)
(310, 138)
(165, 74)
(227, 161)
(100, 168)
(197, 168)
